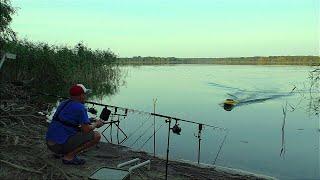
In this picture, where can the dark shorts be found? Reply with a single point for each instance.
(72, 143)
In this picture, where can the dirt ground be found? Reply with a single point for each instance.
(24, 155)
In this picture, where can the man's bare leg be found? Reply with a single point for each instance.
(69, 156)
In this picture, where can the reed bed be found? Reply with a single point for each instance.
(47, 66)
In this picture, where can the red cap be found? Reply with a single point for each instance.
(76, 90)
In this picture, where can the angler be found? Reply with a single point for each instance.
(71, 130)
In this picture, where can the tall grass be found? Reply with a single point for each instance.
(43, 65)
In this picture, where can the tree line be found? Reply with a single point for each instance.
(257, 60)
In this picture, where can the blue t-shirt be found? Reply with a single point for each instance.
(74, 112)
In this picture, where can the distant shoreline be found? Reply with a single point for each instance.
(258, 60)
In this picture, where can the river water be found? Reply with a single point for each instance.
(272, 130)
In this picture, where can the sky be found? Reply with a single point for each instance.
(174, 28)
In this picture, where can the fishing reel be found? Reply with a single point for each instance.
(92, 110)
(105, 114)
(176, 129)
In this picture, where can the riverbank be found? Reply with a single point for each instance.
(24, 154)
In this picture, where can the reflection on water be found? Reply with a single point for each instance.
(283, 144)
(106, 81)
(257, 127)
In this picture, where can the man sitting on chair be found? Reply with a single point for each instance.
(71, 131)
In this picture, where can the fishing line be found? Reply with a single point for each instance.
(214, 162)
(142, 135)
(151, 137)
(139, 127)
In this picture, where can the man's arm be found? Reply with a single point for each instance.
(89, 127)
(86, 125)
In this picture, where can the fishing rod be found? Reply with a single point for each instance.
(179, 119)
(135, 110)
(87, 102)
